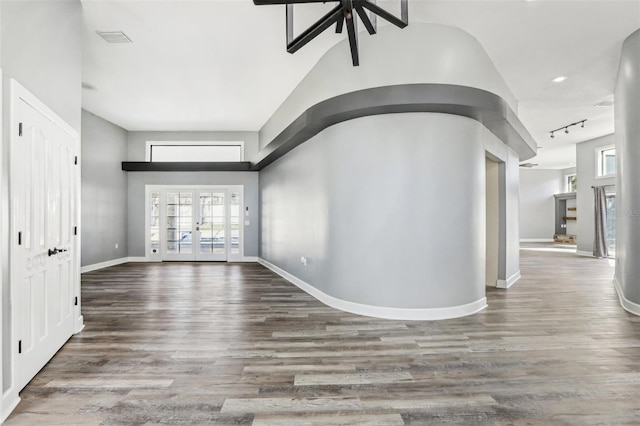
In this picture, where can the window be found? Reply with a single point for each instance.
(606, 162)
(194, 151)
(571, 183)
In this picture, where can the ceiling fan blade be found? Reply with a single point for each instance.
(272, 2)
(339, 26)
(313, 31)
(353, 39)
(401, 23)
(365, 20)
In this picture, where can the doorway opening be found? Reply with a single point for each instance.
(194, 223)
(492, 239)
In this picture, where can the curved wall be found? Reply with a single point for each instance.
(379, 212)
(627, 112)
(388, 206)
(439, 54)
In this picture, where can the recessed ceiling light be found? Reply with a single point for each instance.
(559, 79)
(114, 36)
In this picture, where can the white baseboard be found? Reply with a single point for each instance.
(249, 259)
(536, 240)
(138, 259)
(108, 263)
(10, 401)
(627, 304)
(509, 281)
(412, 314)
(584, 253)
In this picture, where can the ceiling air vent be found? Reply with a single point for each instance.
(114, 36)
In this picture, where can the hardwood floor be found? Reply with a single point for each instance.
(181, 343)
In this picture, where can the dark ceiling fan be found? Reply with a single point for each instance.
(340, 15)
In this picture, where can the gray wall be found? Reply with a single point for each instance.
(138, 141)
(627, 112)
(537, 203)
(137, 208)
(586, 172)
(104, 190)
(41, 48)
(365, 202)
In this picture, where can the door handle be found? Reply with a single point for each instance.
(56, 251)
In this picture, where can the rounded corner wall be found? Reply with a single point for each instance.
(372, 185)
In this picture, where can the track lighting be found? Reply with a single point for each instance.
(566, 128)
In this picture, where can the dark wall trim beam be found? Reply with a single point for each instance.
(145, 166)
(485, 107)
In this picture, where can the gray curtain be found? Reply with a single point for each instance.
(600, 241)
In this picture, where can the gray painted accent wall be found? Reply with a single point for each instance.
(627, 113)
(104, 190)
(537, 203)
(49, 66)
(586, 172)
(137, 208)
(138, 141)
(364, 202)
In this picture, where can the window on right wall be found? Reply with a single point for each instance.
(606, 162)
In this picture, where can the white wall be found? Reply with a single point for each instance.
(586, 172)
(537, 203)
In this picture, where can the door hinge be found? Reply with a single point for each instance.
(19, 129)
(19, 346)
(75, 160)
(20, 238)
(75, 230)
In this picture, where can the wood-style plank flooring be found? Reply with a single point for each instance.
(181, 343)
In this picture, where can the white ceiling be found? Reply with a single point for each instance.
(222, 64)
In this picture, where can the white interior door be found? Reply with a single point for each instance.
(199, 224)
(43, 205)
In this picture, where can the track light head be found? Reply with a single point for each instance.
(566, 130)
(552, 136)
(582, 125)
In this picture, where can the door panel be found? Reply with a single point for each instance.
(42, 210)
(212, 226)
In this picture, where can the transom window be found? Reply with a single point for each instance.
(199, 151)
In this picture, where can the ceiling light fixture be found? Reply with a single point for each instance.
(566, 128)
(340, 15)
(559, 79)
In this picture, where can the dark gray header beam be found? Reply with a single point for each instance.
(485, 107)
(145, 166)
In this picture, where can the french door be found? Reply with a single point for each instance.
(195, 224)
(44, 250)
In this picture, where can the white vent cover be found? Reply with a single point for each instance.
(114, 36)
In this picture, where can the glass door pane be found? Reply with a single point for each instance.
(234, 219)
(212, 226)
(154, 223)
(179, 222)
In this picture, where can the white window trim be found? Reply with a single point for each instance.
(199, 143)
(598, 156)
(566, 182)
